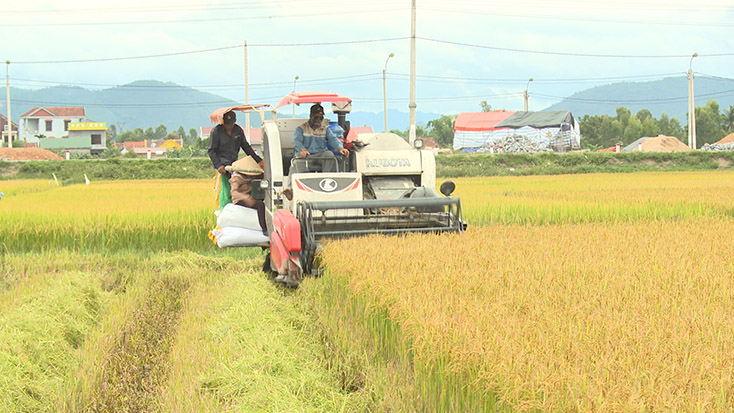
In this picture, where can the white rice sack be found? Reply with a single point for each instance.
(238, 216)
(239, 237)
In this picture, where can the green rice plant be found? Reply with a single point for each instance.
(561, 199)
(110, 216)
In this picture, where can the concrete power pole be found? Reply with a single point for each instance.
(247, 98)
(7, 96)
(691, 107)
(525, 95)
(412, 105)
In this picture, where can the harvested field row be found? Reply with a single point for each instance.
(177, 332)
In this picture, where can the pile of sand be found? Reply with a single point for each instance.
(662, 143)
(727, 139)
(27, 154)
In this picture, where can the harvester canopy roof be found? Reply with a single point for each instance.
(217, 115)
(537, 119)
(311, 97)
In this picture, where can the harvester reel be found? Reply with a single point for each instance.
(308, 241)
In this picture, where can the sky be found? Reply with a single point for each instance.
(467, 51)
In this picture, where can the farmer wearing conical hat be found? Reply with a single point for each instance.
(243, 172)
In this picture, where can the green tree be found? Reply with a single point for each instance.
(486, 107)
(160, 132)
(623, 115)
(650, 127)
(442, 130)
(670, 127)
(149, 133)
(192, 138)
(708, 123)
(401, 133)
(600, 131)
(728, 119)
(112, 133)
(632, 131)
(644, 114)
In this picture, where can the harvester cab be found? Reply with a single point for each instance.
(384, 186)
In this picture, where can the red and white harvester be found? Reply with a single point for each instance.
(384, 186)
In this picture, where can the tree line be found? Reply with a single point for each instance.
(603, 131)
(161, 132)
(598, 131)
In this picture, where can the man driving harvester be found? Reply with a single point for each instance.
(313, 139)
(226, 139)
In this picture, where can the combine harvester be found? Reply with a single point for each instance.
(384, 186)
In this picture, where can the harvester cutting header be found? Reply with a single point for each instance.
(376, 183)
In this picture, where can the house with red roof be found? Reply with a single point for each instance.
(51, 122)
(5, 134)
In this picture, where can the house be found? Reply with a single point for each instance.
(558, 130)
(205, 131)
(354, 132)
(51, 122)
(169, 144)
(3, 124)
(83, 137)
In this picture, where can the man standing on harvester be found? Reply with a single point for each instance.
(313, 139)
(226, 139)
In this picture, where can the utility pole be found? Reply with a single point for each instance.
(247, 97)
(7, 96)
(294, 90)
(412, 105)
(525, 95)
(691, 107)
(384, 89)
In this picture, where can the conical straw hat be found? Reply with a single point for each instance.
(246, 166)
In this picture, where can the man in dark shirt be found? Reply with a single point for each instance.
(225, 142)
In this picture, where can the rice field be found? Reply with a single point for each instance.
(599, 292)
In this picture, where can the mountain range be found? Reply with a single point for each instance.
(669, 95)
(149, 103)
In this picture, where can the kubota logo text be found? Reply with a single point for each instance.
(327, 185)
(387, 162)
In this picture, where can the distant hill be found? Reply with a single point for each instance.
(669, 95)
(145, 103)
(149, 103)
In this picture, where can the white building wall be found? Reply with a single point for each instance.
(32, 126)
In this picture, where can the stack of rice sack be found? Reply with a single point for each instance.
(237, 226)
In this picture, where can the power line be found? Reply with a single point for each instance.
(206, 20)
(536, 80)
(507, 49)
(106, 59)
(178, 87)
(676, 99)
(581, 19)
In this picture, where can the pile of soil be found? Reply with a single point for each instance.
(27, 154)
(727, 139)
(664, 143)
